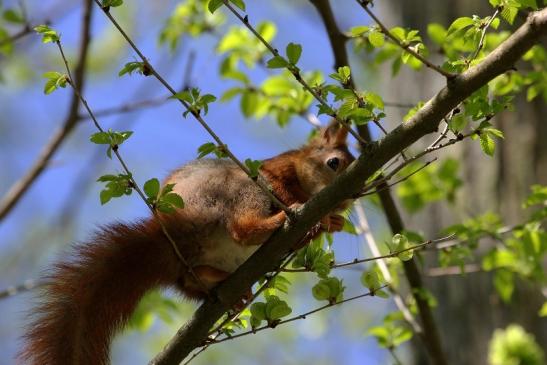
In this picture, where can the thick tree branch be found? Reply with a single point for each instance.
(425, 121)
(20, 187)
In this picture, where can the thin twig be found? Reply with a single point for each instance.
(433, 147)
(394, 356)
(384, 179)
(456, 241)
(483, 34)
(21, 288)
(380, 257)
(295, 318)
(406, 47)
(441, 136)
(259, 180)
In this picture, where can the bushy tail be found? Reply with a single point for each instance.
(90, 297)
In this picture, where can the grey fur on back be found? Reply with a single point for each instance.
(217, 186)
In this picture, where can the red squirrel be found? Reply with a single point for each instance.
(91, 296)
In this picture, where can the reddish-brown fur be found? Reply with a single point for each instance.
(91, 296)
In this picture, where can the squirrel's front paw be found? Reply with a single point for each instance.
(333, 223)
(244, 301)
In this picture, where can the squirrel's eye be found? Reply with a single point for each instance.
(333, 163)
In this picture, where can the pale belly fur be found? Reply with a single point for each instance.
(225, 254)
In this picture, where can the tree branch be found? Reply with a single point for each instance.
(14, 194)
(375, 155)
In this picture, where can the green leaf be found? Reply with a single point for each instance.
(258, 310)
(329, 288)
(371, 280)
(206, 148)
(509, 13)
(382, 335)
(203, 102)
(131, 67)
(267, 30)
(112, 3)
(460, 23)
(253, 166)
(48, 34)
(239, 3)
(116, 186)
(277, 62)
(13, 16)
(488, 145)
(321, 291)
(152, 188)
(294, 51)
(398, 33)
(343, 74)
(100, 138)
(118, 138)
(400, 243)
(437, 33)
(504, 284)
(375, 100)
(231, 93)
(55, 80)
(514, 345)
(400, 335)
(183, 95)
(538, 196)
(376, 39)
(249, 103)
(105, 196)
(214, 5)
(543, 310)
(359, 30)
(279, 310)
(381, 293)
(528, 4)
(50, 86)
(173, 199)
(208, 98)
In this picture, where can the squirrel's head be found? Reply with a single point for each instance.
(324, 158)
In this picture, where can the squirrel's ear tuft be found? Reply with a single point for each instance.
(335, 134)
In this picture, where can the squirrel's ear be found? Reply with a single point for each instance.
(335, 133)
